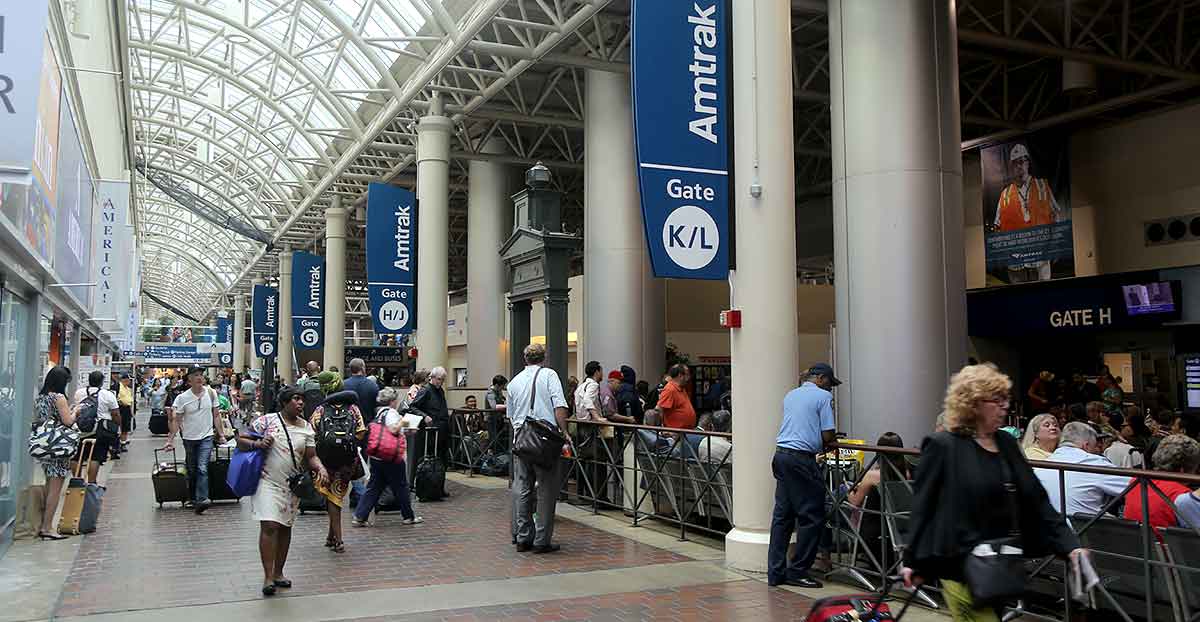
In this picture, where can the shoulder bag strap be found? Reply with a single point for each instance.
(533, 394)
(1010, 495)
(291, 449)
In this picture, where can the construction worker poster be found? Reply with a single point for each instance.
(1027, 210)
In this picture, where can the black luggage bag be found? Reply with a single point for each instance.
(158, 424)
(218, 473)
(170, 479)
(429, 481)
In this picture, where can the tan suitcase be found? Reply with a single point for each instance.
(73, 502)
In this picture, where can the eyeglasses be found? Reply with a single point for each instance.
(1002, 403)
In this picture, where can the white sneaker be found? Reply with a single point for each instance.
(412, 521)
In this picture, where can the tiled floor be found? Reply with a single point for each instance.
(147, 563)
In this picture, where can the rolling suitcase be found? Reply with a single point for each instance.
(81, 505)
(158, 424)
(429, 481)
(170, 480)
(218, 474)
(859, 607)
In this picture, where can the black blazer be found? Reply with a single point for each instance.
(944, 526)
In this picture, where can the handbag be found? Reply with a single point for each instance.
(385, 446)
(245, 469)
(51, 440)
(301, 482)
(995, 568)
(537, 441)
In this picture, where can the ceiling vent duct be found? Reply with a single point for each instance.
(1172, 230)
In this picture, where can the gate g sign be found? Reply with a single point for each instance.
(681, 115)
(265, 320)
(225, 335)
(308, 299)
(392, 258)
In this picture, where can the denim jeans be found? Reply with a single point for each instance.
(198, 454)
(385, 474)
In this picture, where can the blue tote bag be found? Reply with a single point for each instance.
(245, 469)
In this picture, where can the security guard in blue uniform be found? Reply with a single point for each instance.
(808, 428)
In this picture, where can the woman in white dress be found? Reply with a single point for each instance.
(290, 444)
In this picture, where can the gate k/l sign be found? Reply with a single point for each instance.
(681, 112)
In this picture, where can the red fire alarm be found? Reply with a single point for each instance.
(412, 353)
(731, 318)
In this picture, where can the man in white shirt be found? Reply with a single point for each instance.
(195, 416)
(1086, 493)
(107, 410)
(587, 394)
(535, 392)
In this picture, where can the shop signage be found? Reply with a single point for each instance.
(22, 42)
(308, 299)
(265, 320)
(225, 337)
(681, 66)
(1191, 380)
(392, 258)
(379, 356)
(1026, 194)
(177, 354)
(111, 239)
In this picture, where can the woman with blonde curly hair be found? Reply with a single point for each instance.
(975, 492)
(1041, 437)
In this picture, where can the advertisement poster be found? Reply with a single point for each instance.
(1027, 210)
(76, 202)
(112, 238)
(265, 320)
(392, 258)
(682, 108)
(308, 299)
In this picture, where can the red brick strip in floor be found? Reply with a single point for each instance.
(146, 557)
(739, 600)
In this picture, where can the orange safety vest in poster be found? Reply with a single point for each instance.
(1039, 203)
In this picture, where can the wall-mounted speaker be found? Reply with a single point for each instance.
(1172, 230)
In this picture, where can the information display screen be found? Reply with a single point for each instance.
(1191, 381)
(1148, 298)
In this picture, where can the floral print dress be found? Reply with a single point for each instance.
(273, 500)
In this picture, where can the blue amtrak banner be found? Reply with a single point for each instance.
(392, 258)
(308, 299)
(225, 335)
(265, 320)
(682, 71)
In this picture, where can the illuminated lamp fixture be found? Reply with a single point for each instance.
(235, 13)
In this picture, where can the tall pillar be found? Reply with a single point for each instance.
(286, 353)
(239, 334)
(487, 207)
(555, 307)
(620, 299)
(335, 285)
(519, 312)
(433, 234)
(764, 350)
(894, 71)
(651, 366)
(255, 361)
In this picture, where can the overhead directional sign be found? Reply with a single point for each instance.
(392, 258)
(265, 324)
(224, 341)
(308, 299)
(681, 105)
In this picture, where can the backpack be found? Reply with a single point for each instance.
(312, 399)
(88, 411)
(336, 443)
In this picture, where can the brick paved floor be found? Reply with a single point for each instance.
(738, 600)
(168, 557)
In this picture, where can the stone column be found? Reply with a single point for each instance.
(764, 350)
(488, 206)
(335, 285)
(622, 303)
(239, 333)
(285, 356)
(433, 234)
(555, 307)
(519, 312)
(896, 143)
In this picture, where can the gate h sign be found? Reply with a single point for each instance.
(681, 113)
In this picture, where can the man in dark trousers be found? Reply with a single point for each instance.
(807, 429)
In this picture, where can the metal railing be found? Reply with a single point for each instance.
(1147, 572)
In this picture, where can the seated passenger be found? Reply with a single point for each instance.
(1175, 454)
(866, 495)
(1086, 493)
(715, 449)
(1041, 437)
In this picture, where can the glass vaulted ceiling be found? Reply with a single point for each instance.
(236, 102)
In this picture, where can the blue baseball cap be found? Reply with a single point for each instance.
(823, 369)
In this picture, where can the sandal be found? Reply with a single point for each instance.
(328, 542)
(268, 589)
(283, 583)
(338, 546)
(45, 535)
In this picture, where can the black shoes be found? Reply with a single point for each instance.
(203, 505)
(548, 548)
(805, 582)
(523, 547)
